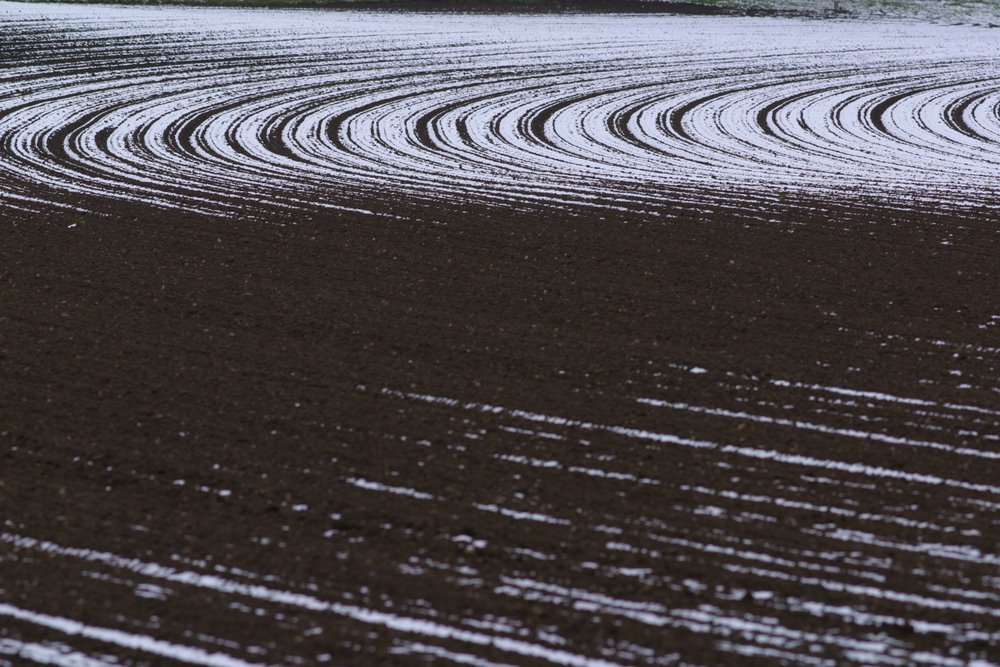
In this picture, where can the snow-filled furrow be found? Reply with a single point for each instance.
(300, 110)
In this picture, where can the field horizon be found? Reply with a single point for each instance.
(962, 11)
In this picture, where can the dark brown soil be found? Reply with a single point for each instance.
(151, 359)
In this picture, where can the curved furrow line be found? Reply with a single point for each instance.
(303, 110)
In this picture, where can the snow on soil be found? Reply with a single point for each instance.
(211, 110)
(221, 110)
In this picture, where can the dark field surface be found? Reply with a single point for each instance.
(499, 437)
(496, 340)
